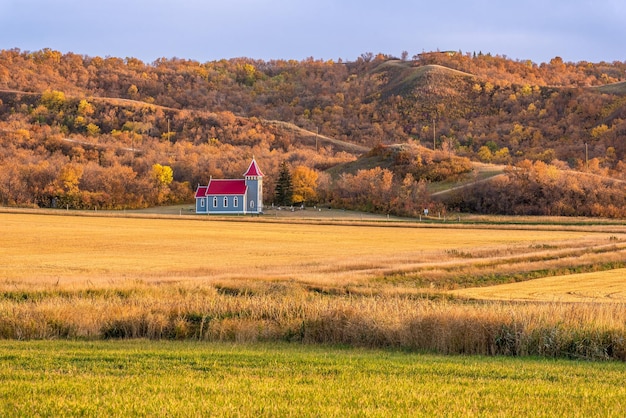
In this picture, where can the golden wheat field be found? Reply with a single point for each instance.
(86, 251)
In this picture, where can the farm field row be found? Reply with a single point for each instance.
(147, 378)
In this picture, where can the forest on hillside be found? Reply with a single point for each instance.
(91, 132)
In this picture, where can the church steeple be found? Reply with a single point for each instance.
(253, 170)
(254, 182)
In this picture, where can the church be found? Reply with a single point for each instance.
(232, 196)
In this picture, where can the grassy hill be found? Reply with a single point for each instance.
(614, 88)
(402, 78)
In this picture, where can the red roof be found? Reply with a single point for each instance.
(253, 170)
(226, 187)
(201, 192)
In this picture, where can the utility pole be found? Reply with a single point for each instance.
(317, 132)
(434, 140)
(132, 141)
(587, 156)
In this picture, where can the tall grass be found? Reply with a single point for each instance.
(289, 312)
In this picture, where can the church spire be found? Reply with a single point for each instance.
(253, 170)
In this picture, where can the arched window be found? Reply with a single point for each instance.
(225, 201)
(214, 201)
(235, 201)
(252, 204)
(201, 203)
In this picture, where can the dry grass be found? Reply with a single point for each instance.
(261, 311)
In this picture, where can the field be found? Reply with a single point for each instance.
(361, 283)
(287, 316)
(144, 378)
(596, 287)
(79, 252)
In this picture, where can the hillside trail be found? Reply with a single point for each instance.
(479, 168)
(482, 167)
(323, 139)
(466, 185)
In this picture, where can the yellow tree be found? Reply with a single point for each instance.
(163, 176)
(304, 184)
(93, 129)
(53, 99)
(484, 154)
(85, 108)
(69, 178)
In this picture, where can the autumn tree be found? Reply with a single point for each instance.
(69, 180)
(163, 176)
(54, 100)
(411, 198)
(85, 108)
(369, 190)
(484, 154)
(12, 190)
(304, 182)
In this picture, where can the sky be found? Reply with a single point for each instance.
(210, 30)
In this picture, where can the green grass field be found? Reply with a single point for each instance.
(144, 378)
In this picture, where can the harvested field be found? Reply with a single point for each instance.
(40, 250)
(605, 286)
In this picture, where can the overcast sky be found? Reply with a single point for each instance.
(207, 30)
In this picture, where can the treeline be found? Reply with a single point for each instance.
(537, 188)
(394, 179)
(501, 70)
(88, 131)
(400, 188)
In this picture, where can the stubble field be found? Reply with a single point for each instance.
(85, 251)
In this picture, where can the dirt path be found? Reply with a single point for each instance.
(463, 186)
(488, 172)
